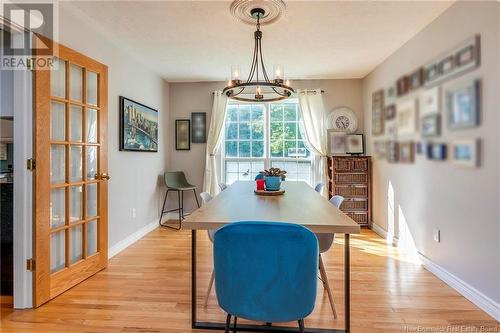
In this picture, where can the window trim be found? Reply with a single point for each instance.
(267, 158)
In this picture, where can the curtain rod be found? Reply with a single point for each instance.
(308, 91)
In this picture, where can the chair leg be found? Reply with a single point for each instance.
(163, 207)
(234, 327)
(228, 323)
(210, 284)
(196, 197)
(180, 206)
(301, 326)
(326, 285)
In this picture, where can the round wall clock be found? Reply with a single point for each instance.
(342, 119)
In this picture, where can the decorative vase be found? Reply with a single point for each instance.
(272, 183)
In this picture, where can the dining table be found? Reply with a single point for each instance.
(299, 204)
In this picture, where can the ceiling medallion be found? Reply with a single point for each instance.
(273, 10)
(258, 87)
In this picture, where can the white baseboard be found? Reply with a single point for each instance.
(390, 239)
(472, 294)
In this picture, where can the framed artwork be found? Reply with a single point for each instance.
(463, 104)
(431, 126)
(392, 151)
(391, 128)
(182, 134)
(378, 113)
(430, 101)
(416, 79)
(436, 151)
(407, 117)
(337, 144)
(403, 85)
(138, 126)
(355, 144)
(391, 94)
(419, 147)
(407, 152)
(465, 153)
(380, 149)
(390, 112)
(199, 122)
(456, 61)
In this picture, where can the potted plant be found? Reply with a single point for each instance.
(273, 178)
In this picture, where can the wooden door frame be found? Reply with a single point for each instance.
(41, 193)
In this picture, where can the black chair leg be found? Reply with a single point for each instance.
(301, 326)
(234, 327)
(180, 207)
(163, 208)
(228, 323)
(196, 197)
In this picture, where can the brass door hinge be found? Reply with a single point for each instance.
(30, 64)
(30, 264)
(30, 164)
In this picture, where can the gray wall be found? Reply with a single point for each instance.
(191, 97)
(463, 203)
(134, 176)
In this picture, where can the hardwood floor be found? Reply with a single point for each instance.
(146, 288)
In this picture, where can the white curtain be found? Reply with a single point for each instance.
(214, 138)
(313, 117)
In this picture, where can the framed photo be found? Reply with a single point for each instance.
(407, 152)
(378, 113)
(391, 128)
(431, 126)
(456, 61)
(403, 85)
(407, 117)
(463, 104)
(380, 149)
(430, 101)
(465, 153)
(416, 79)
(390, 94)
(182, 134)
(337, 144)
(436, 151)
(390, 112)
(199, 132)
(138, 126)
(355, 144)
(392, 151)
(420, 148)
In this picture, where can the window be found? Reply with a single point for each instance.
(260, 136)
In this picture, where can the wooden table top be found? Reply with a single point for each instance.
(300, 204)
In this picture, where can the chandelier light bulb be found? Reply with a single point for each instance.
(278, 72)
(235, 73)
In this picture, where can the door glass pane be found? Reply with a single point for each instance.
(91, 125)
(91, 88)
(91, 162)
(75, 204)
(57, 119)
(75, 168)
(57, 251)
(75, 133)
(75, 250)
(91, 200)
(75, 81)
(57, 163)
(91, 237)
(57, 207)
(58, 78)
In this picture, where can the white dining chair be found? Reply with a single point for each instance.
(222, 186)
(205, 198)
(319, 187)
(325, 242)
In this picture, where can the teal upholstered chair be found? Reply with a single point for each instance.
(176, 181)
(266, 271)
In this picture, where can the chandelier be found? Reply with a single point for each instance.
(258, 87)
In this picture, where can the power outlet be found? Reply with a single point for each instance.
(134, 213)
(437, 235)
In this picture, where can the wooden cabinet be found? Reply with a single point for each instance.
(350, 177)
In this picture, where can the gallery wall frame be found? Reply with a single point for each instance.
(182, 134)
(199, 127)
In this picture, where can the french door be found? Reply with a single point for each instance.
(70, 189)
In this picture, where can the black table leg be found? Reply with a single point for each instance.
(193, 278)
(347, 283)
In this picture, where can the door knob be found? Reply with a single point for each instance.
(102, 176)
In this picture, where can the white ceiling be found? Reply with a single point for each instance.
(200, 40)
